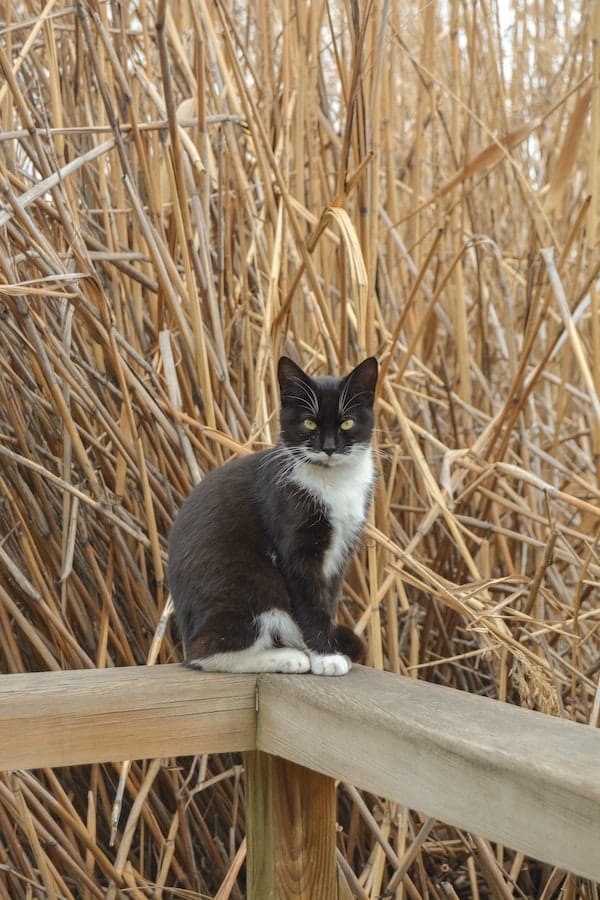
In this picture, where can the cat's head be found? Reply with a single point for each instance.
(324, 418)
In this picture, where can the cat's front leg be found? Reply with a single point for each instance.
(343, 646)
(319, 631)
(347, 648)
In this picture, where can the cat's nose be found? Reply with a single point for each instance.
(328, 446)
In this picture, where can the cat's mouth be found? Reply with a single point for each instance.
(324, 460)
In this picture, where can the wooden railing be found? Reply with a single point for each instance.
(527, 780)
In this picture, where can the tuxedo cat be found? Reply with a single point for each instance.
(258, 549)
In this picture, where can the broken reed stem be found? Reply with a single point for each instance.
(563, 305)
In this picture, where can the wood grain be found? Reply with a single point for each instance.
(290, 820)
(66, 718)
(527, 780)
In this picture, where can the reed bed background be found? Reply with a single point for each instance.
(188, 190)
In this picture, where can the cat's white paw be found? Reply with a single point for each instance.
(272, 659)
(293, 662)
(329, 664)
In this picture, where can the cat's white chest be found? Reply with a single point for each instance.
(344, 490)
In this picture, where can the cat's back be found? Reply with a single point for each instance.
(229, 488)
(217, 532)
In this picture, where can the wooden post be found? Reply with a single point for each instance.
(290, 824)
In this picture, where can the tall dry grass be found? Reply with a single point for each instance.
(188, 190)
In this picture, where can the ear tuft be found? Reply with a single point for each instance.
(363, 379)
(289, 372)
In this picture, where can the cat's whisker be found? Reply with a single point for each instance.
(355, 403)
(342, 400)
(305, 401)
(309, 395)
(380, 453)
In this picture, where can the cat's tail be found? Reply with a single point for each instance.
(349, 644)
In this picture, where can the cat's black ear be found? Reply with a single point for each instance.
(289, 373)
(362, 380)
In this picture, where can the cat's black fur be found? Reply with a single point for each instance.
(257, 542)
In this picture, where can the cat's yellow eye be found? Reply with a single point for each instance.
(310, 424)
(347, 424)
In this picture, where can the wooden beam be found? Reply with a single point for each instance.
(521, 778)
(66, 718)
(515, 776)
(290, 824)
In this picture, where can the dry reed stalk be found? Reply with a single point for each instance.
(185, 193)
